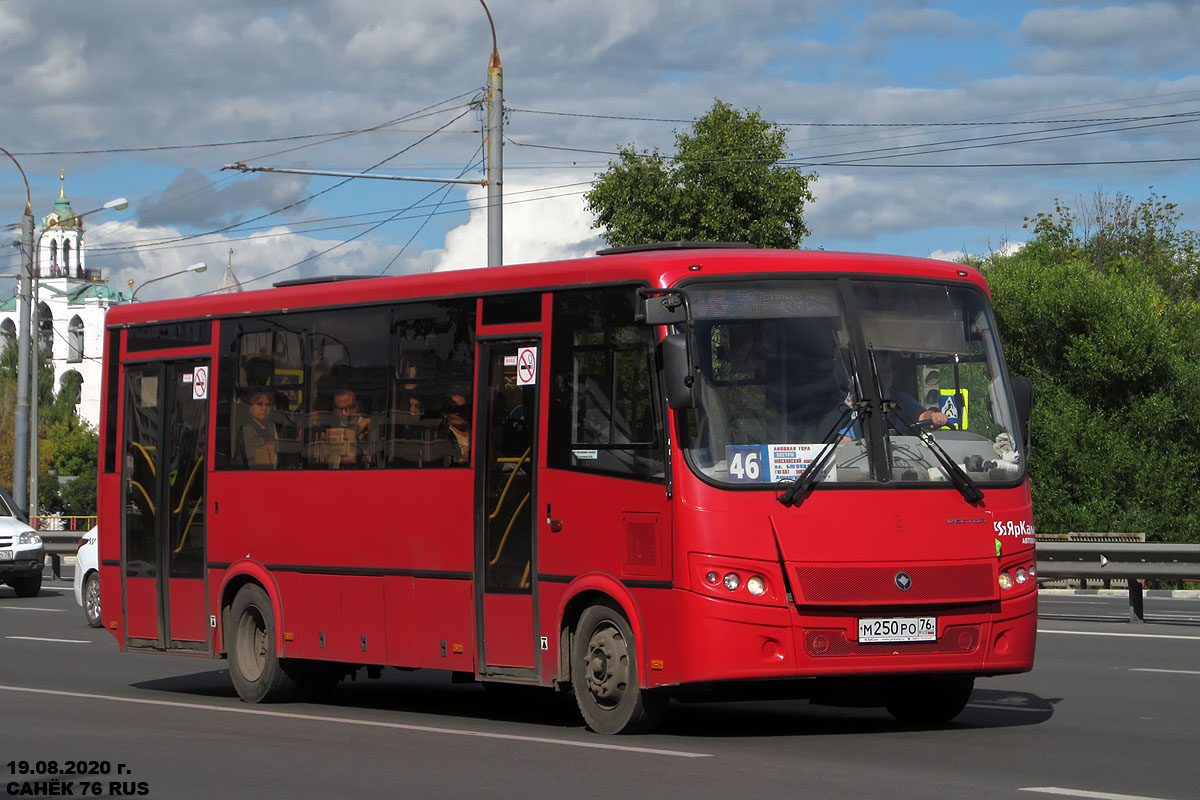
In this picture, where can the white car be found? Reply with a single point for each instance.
(87, 576)
(22, 554)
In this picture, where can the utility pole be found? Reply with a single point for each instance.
(21, 427)
(495, 157)
(20, 487)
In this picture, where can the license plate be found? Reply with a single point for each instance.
(897, 629)
(6, 555)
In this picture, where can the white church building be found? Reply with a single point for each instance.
(71, 303)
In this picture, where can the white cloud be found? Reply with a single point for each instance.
(258, 261)
(534, 229)
(1142, 35)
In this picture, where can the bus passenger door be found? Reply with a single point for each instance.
(163, 525)
(505, 555)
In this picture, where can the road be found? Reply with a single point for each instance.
(1111, 710)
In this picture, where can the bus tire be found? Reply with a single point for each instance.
(604, 675)
(928, 699)
(257, 671)
(26, 587)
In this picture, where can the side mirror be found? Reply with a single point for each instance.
(667, 308)
(1022, 389)
(677, 373)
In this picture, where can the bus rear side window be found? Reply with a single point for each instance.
(359, 388)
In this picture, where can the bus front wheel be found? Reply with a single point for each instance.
(257, 671)
(928, 699)
(604, 675)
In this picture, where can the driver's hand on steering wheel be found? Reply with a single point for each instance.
(936, 418)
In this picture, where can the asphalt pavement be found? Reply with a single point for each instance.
(1109, 711)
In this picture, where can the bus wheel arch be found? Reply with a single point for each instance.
(258, 672)
(587, 590)
(605, 667)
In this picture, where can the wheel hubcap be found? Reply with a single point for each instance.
(607, 666)
(252, 642)
(93, 601)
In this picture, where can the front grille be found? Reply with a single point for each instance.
(876, 585)
(959, 639)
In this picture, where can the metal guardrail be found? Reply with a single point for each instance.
(60, 536)
(57, 545)
(1106, 558)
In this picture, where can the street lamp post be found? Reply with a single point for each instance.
(20, 487)
(118, 204)
(198, 267)
(495, 152)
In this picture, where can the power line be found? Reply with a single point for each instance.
(329, 135)
(811, 124)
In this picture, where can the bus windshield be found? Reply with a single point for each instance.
(788, 369)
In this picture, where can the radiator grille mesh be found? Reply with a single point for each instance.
(853, 585)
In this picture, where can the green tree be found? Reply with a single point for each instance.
(726, 182)
(1100, 315)
(67, 445)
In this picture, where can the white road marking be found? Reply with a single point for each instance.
(1123, 635)
(364, 722)
(44, 639)
(1003, 707)
(1085, 793)
(29, 608)
(1168, 671)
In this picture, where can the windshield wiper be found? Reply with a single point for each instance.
(800, 487)
(961, 480)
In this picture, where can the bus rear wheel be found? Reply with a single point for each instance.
(258, 674)
(604, 675)
(928, 699)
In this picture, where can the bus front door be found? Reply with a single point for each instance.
(163, 525)
(505, 555)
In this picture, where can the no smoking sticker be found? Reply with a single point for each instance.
(200, 383)
(526, 366)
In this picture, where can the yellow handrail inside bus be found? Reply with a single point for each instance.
(143, 491)
(525, 576)
(504, 538)
(146, 453)
(188, 529)
(511, 476)
(183, 496)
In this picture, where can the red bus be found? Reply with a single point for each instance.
(687, 472)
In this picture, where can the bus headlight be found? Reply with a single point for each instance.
(732, 581)
(1006, 580)
(1022, 575)
(756, 586)
(712, 577)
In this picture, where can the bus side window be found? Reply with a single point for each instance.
(604, 415)
(434, 358)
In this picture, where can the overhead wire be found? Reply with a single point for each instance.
(314, 195)
(328, 135)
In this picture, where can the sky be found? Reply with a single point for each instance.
(934, 128)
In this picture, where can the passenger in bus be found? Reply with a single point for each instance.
(457, 413)
(414, 439)
(346, 441)
(256, 445)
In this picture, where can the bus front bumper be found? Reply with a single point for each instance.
(726, 640)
